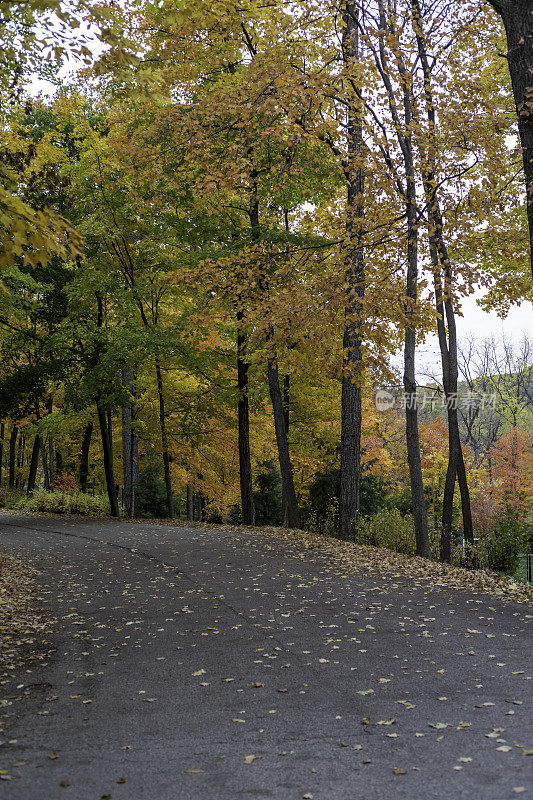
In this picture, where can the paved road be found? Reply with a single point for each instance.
(179, 654)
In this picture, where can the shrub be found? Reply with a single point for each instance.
(57, 502)
(66, 482)
(322, 511)
(267, 498)
(10, 497)
(388, 528)
(328, 522)
(499, 549)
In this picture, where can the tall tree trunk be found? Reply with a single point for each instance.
(190, 503)
(517, 16)
(243, 412)
(20, 460)
(44, 459)
(411, 410)
(289, 499)
(51, 460)
(354, 281)
(2, 434)
(108, 462)
(164, 439)
(34, 463)
(51, 448)
(84, 460)
(403, 129)
(12, 455)
(287, 418)
(130, 446)
(446, 327)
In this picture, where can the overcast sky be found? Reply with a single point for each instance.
(478, 324)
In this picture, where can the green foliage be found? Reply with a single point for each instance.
(267, 498)
(323, 504)
(499, 550)
(9, 497)
(327, 523)
(65, 503)
(389, 528)
(150, 492)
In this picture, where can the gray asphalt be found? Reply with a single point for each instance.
(178, 653)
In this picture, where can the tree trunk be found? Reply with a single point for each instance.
(84, 461)
(404, 135)
(446, 328)
(164, 439)
(20, 460)
(447, 502)
(12, 455)
(243, 411)
(33, 465)
(44, 458)
(50, 438)
(130, 447)
(289, 499)
(2, 434)
(411, 432)
(517, 16)
(51, 460)
(108, 463)
(286, 416)
(354, 280)
(190, 503)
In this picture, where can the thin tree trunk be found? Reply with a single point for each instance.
(108, 463)
(84, 461)
(190, 503)
(289, 499)
(446, 316)
(517, 16)
(201, 507)
(404, 135)
(243, 412)
(44, 458)
(130, 447)
(51, 460)
(2, 434)
(12, 455)
(354, 279)
(411, 416)
(164, 439)
(34, 463)
(20, 460)
(286, 416)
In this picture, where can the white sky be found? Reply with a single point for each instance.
(478, 324)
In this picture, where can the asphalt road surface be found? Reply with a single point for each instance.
(191, 664)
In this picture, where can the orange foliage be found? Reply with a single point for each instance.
(66, 482)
